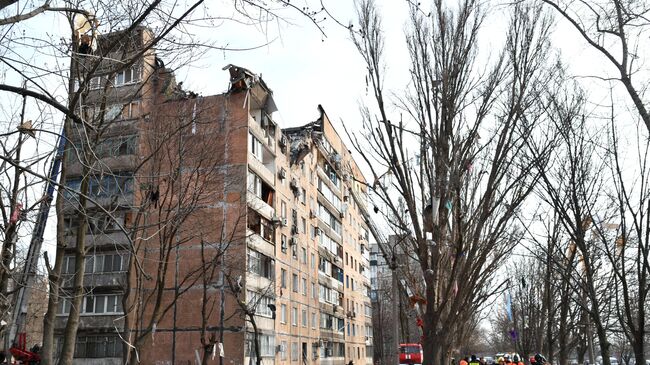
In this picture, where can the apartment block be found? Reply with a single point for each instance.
(213, 234)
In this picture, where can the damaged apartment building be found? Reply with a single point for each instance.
(213, 235)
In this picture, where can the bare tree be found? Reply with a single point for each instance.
(574, 186)
(614, 29)
(626, 245)
(460, 161)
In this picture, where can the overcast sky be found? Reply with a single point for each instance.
(302, 66)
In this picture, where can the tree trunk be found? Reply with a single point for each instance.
(549, 305)
(70, 333)
(54, 275)
(256, 339)
(639, 353)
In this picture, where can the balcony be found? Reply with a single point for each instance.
(260, 206)
(329, 281)
(257, 242)
(256, 282)
(94, 280)
(323, 176)
(113, 239)
(263, 127)
(264, 170)
(259, 225)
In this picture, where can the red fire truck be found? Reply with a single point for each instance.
(410, 353)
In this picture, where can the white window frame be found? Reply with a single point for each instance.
(283, 313)
(256, 147)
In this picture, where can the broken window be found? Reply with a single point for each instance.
(102, 186)
(261, 226)
(261, 264)
(260, 188)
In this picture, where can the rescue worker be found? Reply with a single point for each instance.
(463, 361)
(474, 360)
(516, 360)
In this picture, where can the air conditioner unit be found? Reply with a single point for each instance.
(294, 184)
(316, 231)
(282, 174)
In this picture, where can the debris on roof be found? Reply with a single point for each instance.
(242, 79)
